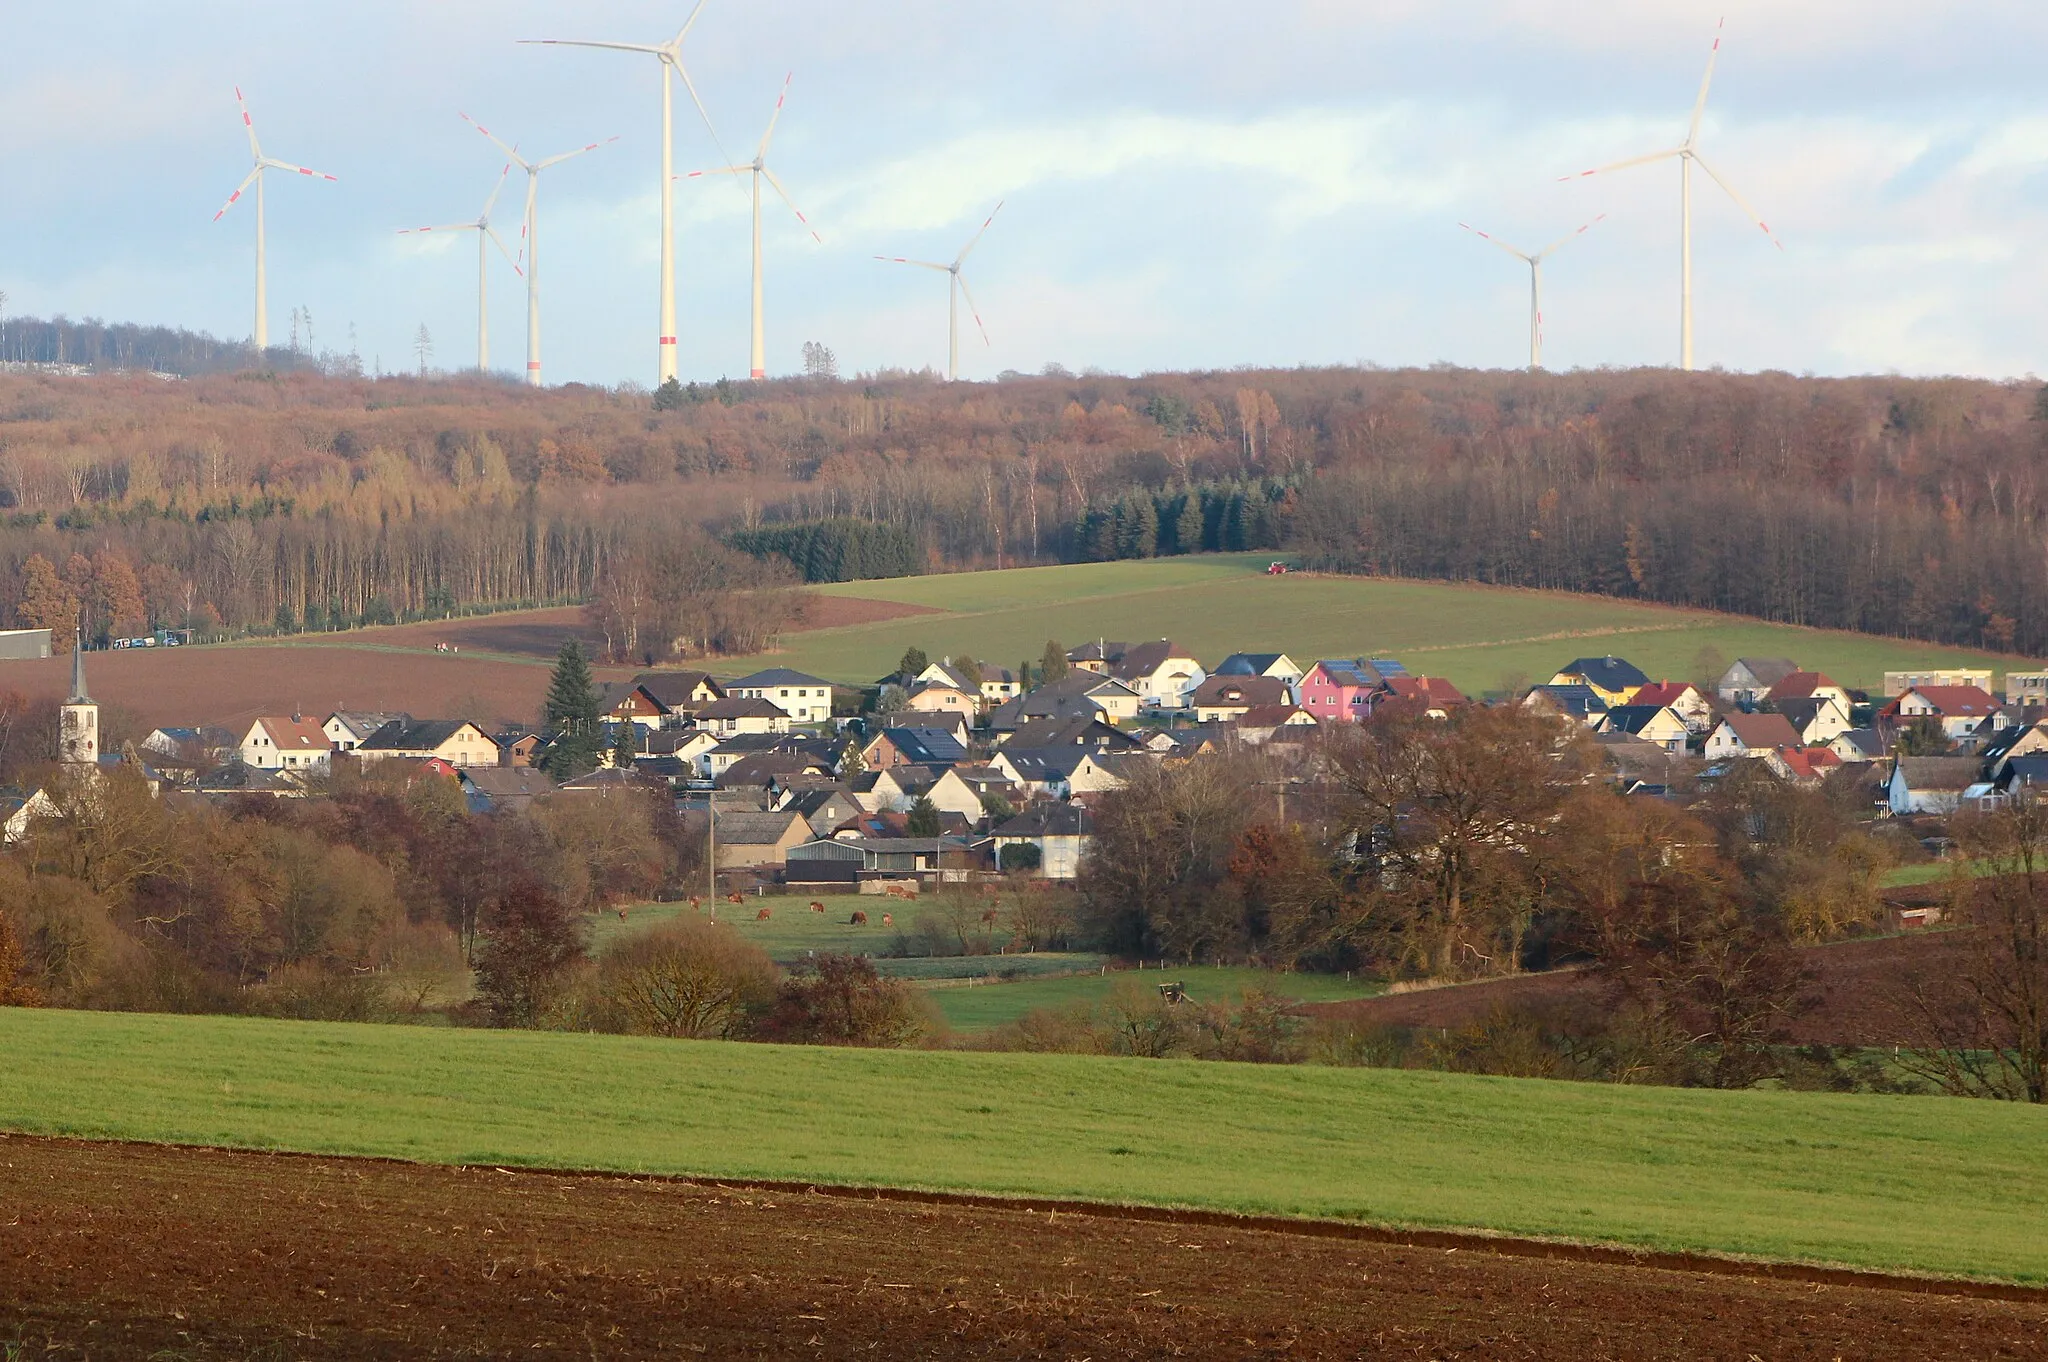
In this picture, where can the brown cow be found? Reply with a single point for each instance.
(697, 902)
(887, 919)
(622, 915)
(817, 907)
(735, 898)
(761, 916)
(859, 919)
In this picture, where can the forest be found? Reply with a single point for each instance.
(301, 498)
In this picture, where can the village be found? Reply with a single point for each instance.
(954, 770)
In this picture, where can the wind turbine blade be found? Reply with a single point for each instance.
(296, 170)
(248, 125)
(484, 218)
(1624, 165)
(1519, 255)
(701, 111)
(247, 180)
(517, 159)
(921, 264)
(499, 243)
(1740, 202)
(1569, 236)
(961, 258)
(444, 227)
(557, 160)
(684, 31)
(792, 205)
(774, 118)
(969, 294)
(1699, 106)
(579, 42)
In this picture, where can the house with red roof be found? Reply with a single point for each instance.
(1427, 695)
(1810, 686)
(1803, 765)
(1958, 709)
(1691, 704)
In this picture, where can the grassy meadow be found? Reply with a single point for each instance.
(1216, 604)
(972, 1007)
(1924, 1184)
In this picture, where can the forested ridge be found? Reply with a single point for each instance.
(260, 500)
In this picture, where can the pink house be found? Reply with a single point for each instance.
(1341, 691)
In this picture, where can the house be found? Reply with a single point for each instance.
(1816, 718)
(1613, 679)
(875, 790)
(292, 743)
(805, 699)
(1278, 665)
(679, 694)
(1078, 693)
(2024, 774)
(1652, 723)
(1808, 686)
(346, 729)
(1803, 765)
(196, 745)
(1577, 704)
(939, 697)
(1340, 690)
(1858, 745)
(1429, 696)
(1094, 657)
(1639, 766)
(1162, 675)
(503, 789)
(912, 746)
(1750, 735)
(1898, 683)
(1958, 709)
(750, 841)
(769, 770)
(1751, 678)
(1079, 731)
(844, 861)
(608, 781)
(736, 715)
(1691, 704)
(2026, 689)
(1223, 698)
(990, 684)
(953, 793)
(1933, 784)
(824, 808)
(721, 757)
(458, 742)
(1055, 771)
(1059, 833)
(1260, 723)
(518, 746)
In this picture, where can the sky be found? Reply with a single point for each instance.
(1192, 185)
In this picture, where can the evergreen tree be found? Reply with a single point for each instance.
(914, 661)
(1187, 526)
(1144, 532)
(924, 818)
(1052, 665)
(570, 714)
(625, 745)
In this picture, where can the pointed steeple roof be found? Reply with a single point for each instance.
(78, 691)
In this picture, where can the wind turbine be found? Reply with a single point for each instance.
(671, 56)
(261, 334)
(484, 235)
(1535, 281)
(1688, 152)
(529, 233)
(953, 293)
(758, 168)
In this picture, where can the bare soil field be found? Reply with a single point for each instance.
(1854, 983)
(132, 1251)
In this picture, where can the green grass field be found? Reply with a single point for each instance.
(1216, 604)
(969, 1008)
(1927, 1184)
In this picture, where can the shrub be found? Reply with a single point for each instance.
(686, 979)
(840, 1000)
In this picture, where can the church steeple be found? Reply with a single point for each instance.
(78, 727)
(78, 691)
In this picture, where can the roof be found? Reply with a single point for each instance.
(1957, 702)
(674, 689)
(1633, 718)
(296, 734)
(1143, 659)
(1939, 773)
(1247, 664)
(1768, 671)
(1049, 818)
(508, 782)
(1239, 689)
(1346, 671)
(1809, 763)
(1864, 740)
(1798, 685)
(1434, 689)
(923, 745)
(734, 708)
(758, 829)
(361, 723)
(761, 768)
(1575, 701)
(1610, 674)
(1662, 693)
(2030, 770)
(1762, 730)
(1101, 651)
(1080, 730)
(751, 742)
(778, 676)
(414, 735)
(1271, 716)
(1803, 710)
(1039, 763)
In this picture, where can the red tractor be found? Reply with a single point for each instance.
(1277, 569)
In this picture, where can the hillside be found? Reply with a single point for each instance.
(1925, 1184)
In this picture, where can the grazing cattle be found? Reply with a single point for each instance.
(735, 898)
(887, 919)
(817, 907)
(622, 915)
(761, 916)
(697, 902)
(859, 919)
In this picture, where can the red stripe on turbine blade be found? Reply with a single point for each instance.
(533, 364)
(668, 340)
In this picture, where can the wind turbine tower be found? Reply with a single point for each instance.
(261, 333)
(529, 232)
(758, 168)
(1535, 263)
(955, 288)
(484, 237)
(1687, 154)
(670, 55)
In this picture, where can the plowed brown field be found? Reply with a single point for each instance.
(134, 1251)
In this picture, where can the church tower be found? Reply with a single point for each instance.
(78, 733)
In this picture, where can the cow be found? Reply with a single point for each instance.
(735, 898)
(622, 915)
(859, 919)
(697, 902)
(817, 907)
(761, 916)
(888, 920)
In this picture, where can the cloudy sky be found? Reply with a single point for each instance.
(1186, 185)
